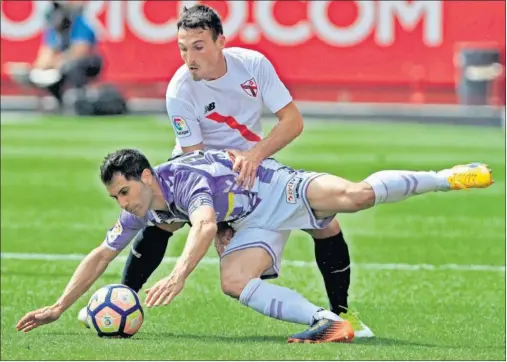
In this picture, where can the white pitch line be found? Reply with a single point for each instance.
(19, 118)
(293, 263)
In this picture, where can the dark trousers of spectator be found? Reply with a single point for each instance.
(76, 74)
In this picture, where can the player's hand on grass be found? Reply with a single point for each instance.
(164, 291)
(37, 318)
(246, 163)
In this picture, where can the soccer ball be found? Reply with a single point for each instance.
(115, 311)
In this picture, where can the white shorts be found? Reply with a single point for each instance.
(283, 207)
(273, 242)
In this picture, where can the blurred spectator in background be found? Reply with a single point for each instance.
(67, 58)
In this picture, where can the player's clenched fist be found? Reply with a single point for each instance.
(246, 163)
(37, 318)
(164, 291)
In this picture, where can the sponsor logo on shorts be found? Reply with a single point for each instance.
(292, 190)
(181, 127)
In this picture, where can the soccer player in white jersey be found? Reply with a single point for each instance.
(196, 187)
(215, 101)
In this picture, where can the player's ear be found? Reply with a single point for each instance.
(221, 41)
(147, 176)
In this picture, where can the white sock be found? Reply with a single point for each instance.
(280, 303)
(326, 314)
(394, 186)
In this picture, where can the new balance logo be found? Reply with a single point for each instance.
(209, 107)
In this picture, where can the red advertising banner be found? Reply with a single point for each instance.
(309, 42)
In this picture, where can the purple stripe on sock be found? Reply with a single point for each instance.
(416, 182)
(250, 293)
(387, 191)
(279, 314)
(407, 181)
(272, 308)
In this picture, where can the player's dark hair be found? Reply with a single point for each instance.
(201, 17)
(127, 162)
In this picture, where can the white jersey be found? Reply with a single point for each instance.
(226, 112)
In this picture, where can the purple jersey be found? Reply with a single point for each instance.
(190, 181)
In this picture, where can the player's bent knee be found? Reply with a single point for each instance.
(233, 284)
(331, 230)
(360, 196)
(353, 197)
(241, 266)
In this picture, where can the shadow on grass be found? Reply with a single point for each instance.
(210, 338)
(377, 341)
(383, 341)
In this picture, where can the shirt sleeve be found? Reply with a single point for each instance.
(83, 32)
(193, 190)
(274, 93)
(184, 121)
(126, 228)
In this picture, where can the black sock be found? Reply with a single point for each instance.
(333, 259)
(149, 249)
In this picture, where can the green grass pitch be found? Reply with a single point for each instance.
(428, 274)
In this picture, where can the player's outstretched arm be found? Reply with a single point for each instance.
(85, 275)
(200, 237)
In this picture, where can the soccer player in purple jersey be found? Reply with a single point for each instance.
(200, 187)
(215, 100)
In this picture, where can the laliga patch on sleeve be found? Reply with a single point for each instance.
(114, 232)
(180, 127)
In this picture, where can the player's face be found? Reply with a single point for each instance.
(201, 53)
(134, 196)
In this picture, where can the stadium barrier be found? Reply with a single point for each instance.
(391, 52)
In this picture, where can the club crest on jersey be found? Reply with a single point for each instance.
(181, 127)
(250, 87)
(292, 189)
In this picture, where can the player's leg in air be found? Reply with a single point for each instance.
(329, 195)
(318, 198)
(386, 186)
(255, 254)
(333, 259)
